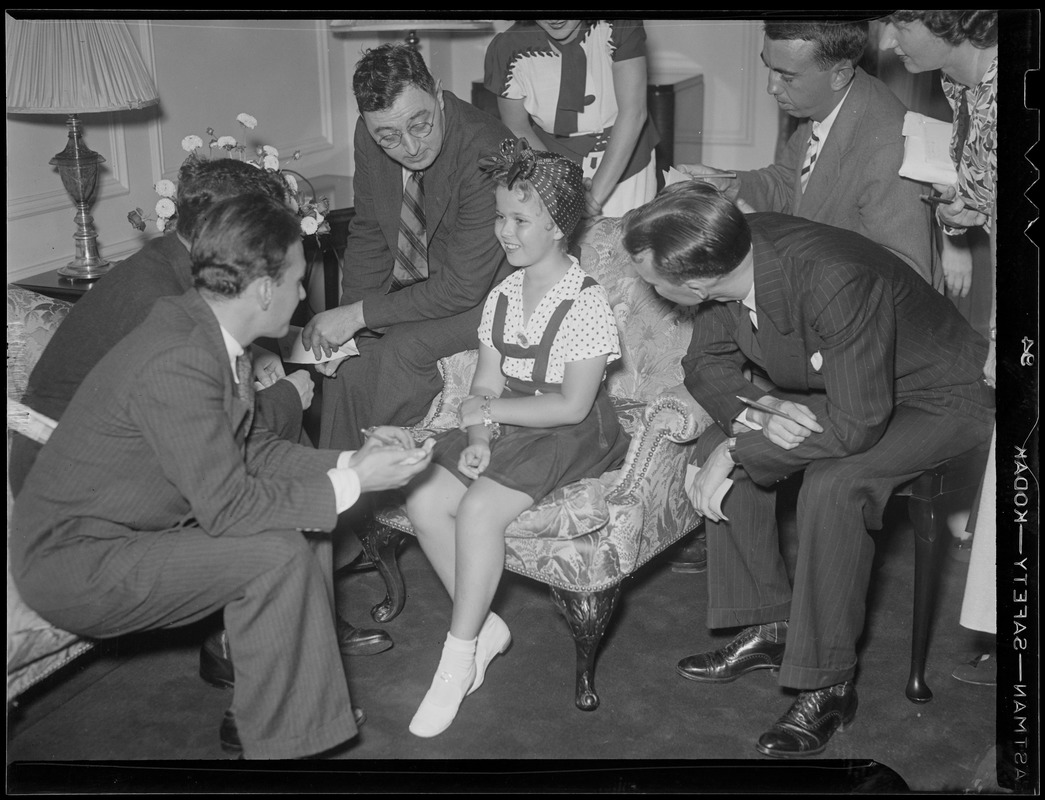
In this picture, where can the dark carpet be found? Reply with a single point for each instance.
(140, 698)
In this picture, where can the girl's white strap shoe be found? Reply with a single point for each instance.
(453, 677)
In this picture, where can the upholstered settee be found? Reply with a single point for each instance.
(587, 538)
(35, 648)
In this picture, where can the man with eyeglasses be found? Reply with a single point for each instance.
(421, 253)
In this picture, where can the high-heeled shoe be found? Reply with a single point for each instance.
(453, 678)
(493, 640)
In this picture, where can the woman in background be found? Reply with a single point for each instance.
(963, 45)
(579, 88)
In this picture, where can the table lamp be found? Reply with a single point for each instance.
(76, 67)
(411, 26)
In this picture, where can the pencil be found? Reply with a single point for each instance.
(763, 407)
(937, 200)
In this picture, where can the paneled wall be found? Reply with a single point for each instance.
(295, 77)
(740, 118)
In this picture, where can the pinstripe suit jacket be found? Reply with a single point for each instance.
(156, 439)
(884, 337)
(856, 183)
(464, 257)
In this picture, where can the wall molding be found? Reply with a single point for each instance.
(743, 132)
(111, 183)
(321, 143)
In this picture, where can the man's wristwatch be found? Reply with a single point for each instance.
(731, 448)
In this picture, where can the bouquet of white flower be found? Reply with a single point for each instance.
(312, 210)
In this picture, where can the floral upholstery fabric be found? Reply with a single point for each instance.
(35, 647)
(590, 535)
(31, 319)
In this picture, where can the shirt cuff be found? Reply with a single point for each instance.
(744, 419)
(345, 482)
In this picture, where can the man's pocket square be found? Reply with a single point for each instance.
(816, 360)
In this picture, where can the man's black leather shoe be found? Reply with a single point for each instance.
(228, 734)
(753, 648)
(361, 641)
(216, 660)
(810, 723)
(692, 555)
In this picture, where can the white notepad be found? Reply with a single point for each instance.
(927, 150)
(293, 352)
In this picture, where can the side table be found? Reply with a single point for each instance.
(51, 284)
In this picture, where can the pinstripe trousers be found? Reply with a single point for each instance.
(291, 695)
(839, 501)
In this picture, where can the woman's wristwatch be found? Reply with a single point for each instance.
(731, 448)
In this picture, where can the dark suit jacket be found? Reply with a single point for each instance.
(115, 306)
(884, 336)
(155, 438)
(856, 183)
(464, 258)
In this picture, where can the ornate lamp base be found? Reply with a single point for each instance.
(88, 264)
(84, 272)
(78, 168)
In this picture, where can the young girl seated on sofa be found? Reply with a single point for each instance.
(538, 416)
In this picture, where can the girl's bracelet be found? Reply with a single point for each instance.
(495, 427)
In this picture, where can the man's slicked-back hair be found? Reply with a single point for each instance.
(384, 72)
(242, 239)
(692, 231)
(204, 182)
(835, 41)
(954, 27)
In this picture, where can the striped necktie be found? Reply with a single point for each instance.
(811, 153)
(245, 376)
(245, 386)
(747, 336)
(411, 264)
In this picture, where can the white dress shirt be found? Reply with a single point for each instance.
(344, 478)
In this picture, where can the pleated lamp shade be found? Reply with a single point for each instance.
(74, 67)
(67, 66)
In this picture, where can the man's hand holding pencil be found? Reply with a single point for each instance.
(785, 423)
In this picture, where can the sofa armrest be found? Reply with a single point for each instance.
(648, 504)
(691, 420)
(456, 372)
(669, 427)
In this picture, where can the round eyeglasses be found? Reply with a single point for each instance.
(418, 131)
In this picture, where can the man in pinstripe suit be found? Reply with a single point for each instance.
(156, 503)
(877, 378)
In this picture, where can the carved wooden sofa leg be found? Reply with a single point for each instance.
(381, 545)
(588, 613)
